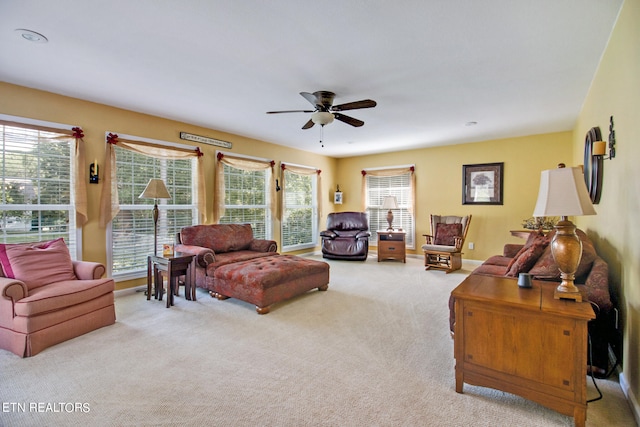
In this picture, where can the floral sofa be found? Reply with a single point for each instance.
(217, 245)
(534, 257)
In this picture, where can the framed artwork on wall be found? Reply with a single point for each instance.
(337, 197)
(482, 184)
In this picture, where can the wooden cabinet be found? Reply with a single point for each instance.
(391, 245)
(522, 341)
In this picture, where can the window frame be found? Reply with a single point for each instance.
(314, 209)
(147, 205)
(404, 196)
(74, 233)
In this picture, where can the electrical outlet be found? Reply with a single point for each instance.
(471, 245)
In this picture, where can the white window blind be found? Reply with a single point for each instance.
(37, 197)
(300, 211)
(246, 200)
(132, 229)
(377, 188)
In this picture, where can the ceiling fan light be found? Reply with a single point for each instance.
(322, 118)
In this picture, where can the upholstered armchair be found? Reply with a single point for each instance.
(46, 298)
(346, 236)
(443, 247)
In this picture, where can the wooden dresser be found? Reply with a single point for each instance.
(522, 341)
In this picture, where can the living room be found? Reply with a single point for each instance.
(613, 230)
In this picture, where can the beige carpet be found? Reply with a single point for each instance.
(374, 350)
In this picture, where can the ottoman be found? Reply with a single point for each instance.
(268, 280)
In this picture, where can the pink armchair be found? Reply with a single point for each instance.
(46, 298)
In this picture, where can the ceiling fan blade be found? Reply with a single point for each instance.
(290, 111)
(308, 125)
(365, 103)
(310, 97)
(348, 120)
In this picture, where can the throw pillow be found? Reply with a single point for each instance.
(535, 238)
(37, 264)
(527, 258)
(445, 234)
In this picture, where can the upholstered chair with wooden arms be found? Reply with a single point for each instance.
(443, 247)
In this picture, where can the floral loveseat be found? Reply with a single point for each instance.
(216, 245)
(535, 258)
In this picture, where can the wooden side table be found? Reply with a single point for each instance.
(179, 264)
(391, 245)
(522, 341)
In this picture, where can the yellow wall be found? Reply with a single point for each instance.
(615, 91)
(439, 184)
(96, 119)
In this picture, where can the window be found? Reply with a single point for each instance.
(37, 197)
(132, 233)
(381, 183)
(246, 199)
(300, 210)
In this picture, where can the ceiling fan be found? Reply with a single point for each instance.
(325, 111)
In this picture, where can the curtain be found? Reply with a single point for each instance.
(109, 206)
(302, 170)
(244, 164)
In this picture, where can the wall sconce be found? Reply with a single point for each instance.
(278, 186)
(600, 147)
(337, 196)
(93, 172)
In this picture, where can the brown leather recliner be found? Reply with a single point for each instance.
(346, 236)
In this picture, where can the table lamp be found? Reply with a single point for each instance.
(390, 202)
(155, 190)
(563, 193)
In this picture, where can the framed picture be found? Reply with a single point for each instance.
(337, 197)
(482, 184)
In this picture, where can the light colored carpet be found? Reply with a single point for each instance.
(374, 350)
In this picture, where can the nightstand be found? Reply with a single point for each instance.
(391, 245)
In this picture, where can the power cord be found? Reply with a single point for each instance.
(593, 378)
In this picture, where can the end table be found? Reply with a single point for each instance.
(178, 264)
(391, 245)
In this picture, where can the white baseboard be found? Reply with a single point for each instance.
(129, 291)
(631, 398)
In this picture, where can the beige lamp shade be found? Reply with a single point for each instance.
(563, 193)
(155, 190)
(390, 202)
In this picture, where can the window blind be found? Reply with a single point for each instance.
(377, 188)
(300, 211)
(36, 191)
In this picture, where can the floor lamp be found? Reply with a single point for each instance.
(563, 193)
(155, 190)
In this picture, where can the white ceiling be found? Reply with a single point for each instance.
(516, 67)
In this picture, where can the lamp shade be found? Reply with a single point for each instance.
(563, 193)
(390, 202)
(155, 190)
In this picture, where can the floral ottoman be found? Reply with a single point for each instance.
(266, 281)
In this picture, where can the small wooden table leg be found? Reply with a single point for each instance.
(148, 278)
